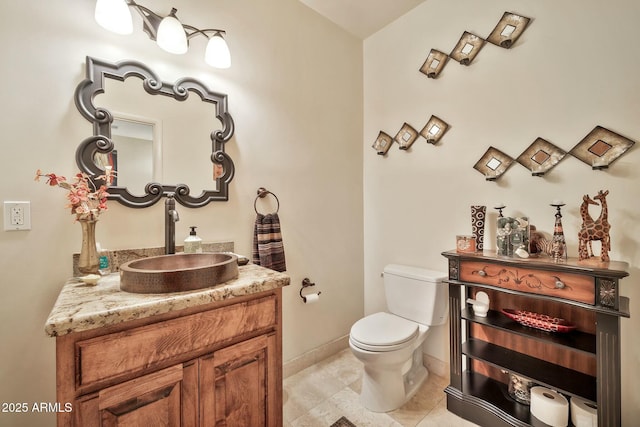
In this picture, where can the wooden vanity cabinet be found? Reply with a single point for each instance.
(484, 350)
(212, 365)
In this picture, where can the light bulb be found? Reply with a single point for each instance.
(114, 15)
(217, 54)
(171, 35)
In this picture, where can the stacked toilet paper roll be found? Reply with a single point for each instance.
(549, 406)
(584, 413)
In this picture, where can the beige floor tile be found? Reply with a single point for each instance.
(319, 395)
(343, 366)
(348, 404)
(425, 400)
(440, 417)
(307, 389)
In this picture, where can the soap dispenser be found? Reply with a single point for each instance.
(193, 243)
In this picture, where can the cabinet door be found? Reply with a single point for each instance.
(150, 400)
(238, 385)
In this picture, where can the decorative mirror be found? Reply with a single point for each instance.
(103, 97)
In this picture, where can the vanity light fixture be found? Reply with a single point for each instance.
(170, 34)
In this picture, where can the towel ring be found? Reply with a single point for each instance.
(262, 193)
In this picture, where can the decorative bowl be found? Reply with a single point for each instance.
(539, 321)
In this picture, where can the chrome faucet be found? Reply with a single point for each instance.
(170, 218)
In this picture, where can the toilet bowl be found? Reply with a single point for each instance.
(392, 361)
(389, 344)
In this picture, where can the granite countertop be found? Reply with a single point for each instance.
(81, 307)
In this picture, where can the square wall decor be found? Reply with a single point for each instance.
(601, 147)
(434, 64)
(510, 27)
(541, 156)
(493, 164)
(382, 143)
(467, 48)
(406, 136)
(434, 129)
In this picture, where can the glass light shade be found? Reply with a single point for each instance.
(171, 36)
(217, 54)
(114, 15)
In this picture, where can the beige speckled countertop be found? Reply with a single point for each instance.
(81, 307)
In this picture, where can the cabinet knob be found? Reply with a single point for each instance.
(559, 284)
(482, 273)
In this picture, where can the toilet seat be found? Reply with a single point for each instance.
(383, 332)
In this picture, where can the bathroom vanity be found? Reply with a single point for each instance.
(205, 357)
(584, 362)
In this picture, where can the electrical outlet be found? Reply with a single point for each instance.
(17, 216)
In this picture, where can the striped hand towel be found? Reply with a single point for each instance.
(268, 250)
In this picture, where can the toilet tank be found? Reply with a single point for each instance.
(416, 293)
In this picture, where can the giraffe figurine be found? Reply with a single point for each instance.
(584, 247)
(598, 230)
(603, 226)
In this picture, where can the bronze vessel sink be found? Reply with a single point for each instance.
(177, 273)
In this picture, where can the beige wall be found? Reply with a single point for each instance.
(575, 67)
(295, 92)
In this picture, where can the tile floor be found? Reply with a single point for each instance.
(320, 394)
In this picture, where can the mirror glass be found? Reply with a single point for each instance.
(188, 123)
(159, 137)
(137, 152)
(493, 163)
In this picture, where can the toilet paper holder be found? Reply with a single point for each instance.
(306, 283)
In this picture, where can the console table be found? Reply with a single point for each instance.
(584, 362)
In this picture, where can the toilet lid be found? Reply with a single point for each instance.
(383, 332)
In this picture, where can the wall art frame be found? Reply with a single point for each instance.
(601, 147)
(541, 156)
(406, 136)
(434, 130)
(508, 30)
(467, 48)
(383, 143)
(493, 164)
(435, 62)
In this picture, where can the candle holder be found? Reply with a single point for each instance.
(499, 209)
(558, 244)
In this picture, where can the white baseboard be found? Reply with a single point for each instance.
(314, 356)
(435, 366)
(293, 366)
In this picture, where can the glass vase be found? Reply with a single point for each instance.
(89, 262)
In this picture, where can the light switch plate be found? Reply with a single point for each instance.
(17, 216)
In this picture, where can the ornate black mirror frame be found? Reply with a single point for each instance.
(101, 142)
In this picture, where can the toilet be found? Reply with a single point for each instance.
(389, 344)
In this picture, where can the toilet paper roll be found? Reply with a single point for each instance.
(311, 298)
(549, 406)
(584, 413)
